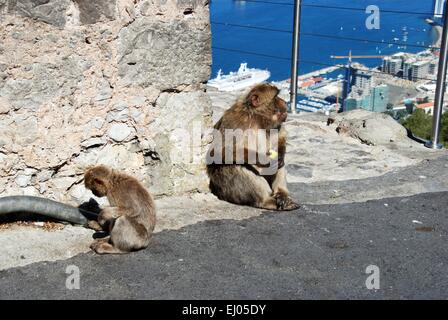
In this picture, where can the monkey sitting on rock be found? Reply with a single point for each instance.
(244, 180)
(131, 217)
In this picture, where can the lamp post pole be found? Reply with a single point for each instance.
(440, 88)
(295, 55)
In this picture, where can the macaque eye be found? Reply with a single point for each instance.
(99, 181)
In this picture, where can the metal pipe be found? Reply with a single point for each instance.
(440, 88)
(295, 55)
(46, 207)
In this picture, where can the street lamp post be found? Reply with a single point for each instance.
(440, 88)
(295, 55)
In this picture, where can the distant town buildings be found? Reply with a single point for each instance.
(414, 67)
(394, 64)
(403, 83)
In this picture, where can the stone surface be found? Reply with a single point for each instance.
(24, 245)
(175, 213)
(148, 48)
(181, 143)
(318, 153)
(370, 128)
(5, 106)
(93, 11)
(73, 79)
(86, 85)
(49, 11)
(119, 132)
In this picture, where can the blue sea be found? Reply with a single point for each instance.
(407, 28)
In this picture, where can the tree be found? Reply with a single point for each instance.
(444, 130)
(400, 115)
(420, 124)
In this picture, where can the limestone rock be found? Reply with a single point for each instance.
(23, 180)
(49, 11)
(149, 52)
(62, 183)
(106, 81)
(97, 122)
(93, 142)
(371, 128)
(5, 106)
(119, 132)
(30, 191)
(181, 148)
(104, 90)
(95, 11)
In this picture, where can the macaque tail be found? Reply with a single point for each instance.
(45, 207)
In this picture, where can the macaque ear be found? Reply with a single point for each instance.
(255, 100)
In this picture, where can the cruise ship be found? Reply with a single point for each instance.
(243, 78)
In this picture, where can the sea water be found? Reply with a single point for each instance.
(409, 29)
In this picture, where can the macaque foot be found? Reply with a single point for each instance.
(104, 239)
(104, 247)
(284, 202)
(94, 225)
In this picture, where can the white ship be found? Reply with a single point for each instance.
(239, 80)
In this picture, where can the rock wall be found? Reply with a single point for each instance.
(108, 81)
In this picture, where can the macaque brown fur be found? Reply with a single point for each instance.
(244, 183)
(131, 217)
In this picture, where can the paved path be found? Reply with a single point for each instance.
(316, 252)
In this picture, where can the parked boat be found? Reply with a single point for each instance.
(243, 78)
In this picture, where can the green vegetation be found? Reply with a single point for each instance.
(420, 125)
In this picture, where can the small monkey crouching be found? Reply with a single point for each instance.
(131, 217)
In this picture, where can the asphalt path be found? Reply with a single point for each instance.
(316, 252)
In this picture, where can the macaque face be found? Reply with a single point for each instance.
(97, 191)
(95, 180)
(265, 99)
(280, 110)
(96, 186)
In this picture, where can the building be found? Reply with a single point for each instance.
(433, 67)
(379, 98)
(420, 70)
(376, 99)
(415, 70)
(407, 68)
(392, 65)
(427, 107)
(414, 67)
(362, 80)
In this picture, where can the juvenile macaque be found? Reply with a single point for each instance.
(131, 217)
(248, 178)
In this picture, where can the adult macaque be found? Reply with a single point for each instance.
(255, 174)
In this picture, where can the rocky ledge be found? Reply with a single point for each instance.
(358, 157)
